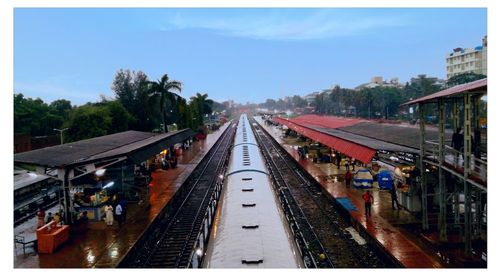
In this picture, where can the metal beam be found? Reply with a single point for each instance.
(423, 178)
(467, 169)
(456, 196)
(441, 178)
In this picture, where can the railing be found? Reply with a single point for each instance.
(455, 158)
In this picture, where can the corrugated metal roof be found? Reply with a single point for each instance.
(479, 86)
(90, 150)
(404, 135)
(352, 149)
(326, 121)
(398, 134)
(367, 141)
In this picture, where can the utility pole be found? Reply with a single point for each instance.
(61, 133)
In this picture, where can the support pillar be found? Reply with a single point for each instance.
(476, 126)
(442, 182)
(467, 169)
(423, 177)
(456, 198)
(68, 203)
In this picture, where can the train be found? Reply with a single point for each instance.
(249, 230)
(33, 191)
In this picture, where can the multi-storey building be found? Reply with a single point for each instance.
(379, 81)
(467, 60)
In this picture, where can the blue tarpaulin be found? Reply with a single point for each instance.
(385, 181)
(346, 203)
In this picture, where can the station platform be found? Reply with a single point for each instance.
(383, 226)
(102, 246)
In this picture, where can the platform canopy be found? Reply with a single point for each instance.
(478, 87)
(384, 136)
(131, 144)
(352, 149)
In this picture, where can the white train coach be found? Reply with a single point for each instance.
(249, 230)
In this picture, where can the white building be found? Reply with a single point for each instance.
(379, 81)
(310, 97)
(467, 60)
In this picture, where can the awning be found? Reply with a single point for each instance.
(354, 150)
(134, 144)
(479, 86)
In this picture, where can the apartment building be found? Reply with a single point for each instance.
(468, 60)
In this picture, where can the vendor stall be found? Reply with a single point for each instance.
(407, 179)
(92, 200)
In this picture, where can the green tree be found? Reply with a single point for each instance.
(120, 117)
(132, 91)
(123, 86)
(61, 108)
(297, 101)
(200, 105)
(163, 92)
(34, 117)
(88, 121)
(464, 78)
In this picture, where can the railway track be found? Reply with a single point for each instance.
(173, 238)
(322, 227)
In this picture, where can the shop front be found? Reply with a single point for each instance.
(405, 177)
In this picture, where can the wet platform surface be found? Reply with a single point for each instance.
(382, 226)
(102, 246)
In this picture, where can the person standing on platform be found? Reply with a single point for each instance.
(368, 198)
(119, 214)
(348, 178)
(57, 219)
(49, 218)
(338, 158)
(109, 215)
(346, 164)
(41, 218)
(123, 204)
(353, 162)
(394, 197)
(457, 141)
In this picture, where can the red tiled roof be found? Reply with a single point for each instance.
(326, 121)
(359, 152)
(475, 86)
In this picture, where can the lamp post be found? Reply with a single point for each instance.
(61, 133)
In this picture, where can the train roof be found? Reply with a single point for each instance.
(250, 231)
(24, 178)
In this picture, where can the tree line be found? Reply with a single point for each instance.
(378, 102)
(138, 104)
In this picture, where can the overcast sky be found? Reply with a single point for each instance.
(239, 54)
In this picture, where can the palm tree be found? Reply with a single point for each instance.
(164, 88)
(202, 105)
(206, 103)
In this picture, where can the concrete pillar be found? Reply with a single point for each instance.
(467, 169)
(441, 178)
(423, 178)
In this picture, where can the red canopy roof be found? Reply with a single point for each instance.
(359, 152)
